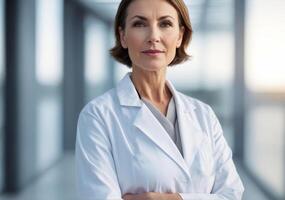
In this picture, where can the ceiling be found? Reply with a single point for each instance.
(210, 14)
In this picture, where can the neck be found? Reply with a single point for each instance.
(151, 84)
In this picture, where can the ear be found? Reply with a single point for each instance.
(181, 34)
(122, 38)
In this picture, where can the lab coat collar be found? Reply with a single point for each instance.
(190, 131)
(128, 95)
(127, 92)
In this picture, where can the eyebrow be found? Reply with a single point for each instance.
(145, 19)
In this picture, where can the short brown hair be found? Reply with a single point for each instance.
(122, 55)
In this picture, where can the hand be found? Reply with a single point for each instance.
(152, 196)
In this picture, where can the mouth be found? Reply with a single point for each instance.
(152, 52)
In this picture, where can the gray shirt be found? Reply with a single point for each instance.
(168, 122)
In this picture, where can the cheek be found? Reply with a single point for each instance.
(134, 39)
(171, 44)
(172, 40)
(133, 47)
(135, 42)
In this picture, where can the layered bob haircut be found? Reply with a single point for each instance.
(121, 54)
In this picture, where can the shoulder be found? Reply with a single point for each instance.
(200, 112)
(100, 105)
(92, 128)
(204, 117)
(196, 104)
(203, 114)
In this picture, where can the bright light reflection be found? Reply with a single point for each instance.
(265, 46)
(49, 42)
(211, 65)
(95, 56)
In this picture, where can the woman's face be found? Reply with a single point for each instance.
(152, 34)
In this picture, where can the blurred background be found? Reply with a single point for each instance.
(54, 59)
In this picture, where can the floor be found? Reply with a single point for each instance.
(58, 184)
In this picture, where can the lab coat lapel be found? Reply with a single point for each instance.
(191, 136)
(191, 133)
(149, 125)
(146, 122)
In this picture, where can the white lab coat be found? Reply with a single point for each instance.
(122, 148)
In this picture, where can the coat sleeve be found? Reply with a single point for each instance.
(95, 170)
(228, 185)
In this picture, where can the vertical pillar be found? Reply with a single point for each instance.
(73, 69)
(11, 98)
(20, 96)
(239, 79)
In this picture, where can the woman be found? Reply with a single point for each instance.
(144, 140)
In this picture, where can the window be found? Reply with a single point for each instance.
(49, 72)
(265, 46)
(96, 54)
(49, 42)
(265, 80)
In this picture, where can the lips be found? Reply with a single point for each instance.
(152, 51)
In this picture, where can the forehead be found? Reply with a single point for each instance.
(151, 8)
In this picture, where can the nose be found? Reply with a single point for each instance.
(154, 35)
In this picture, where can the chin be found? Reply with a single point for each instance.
(153, 66)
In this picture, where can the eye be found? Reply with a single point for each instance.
(166, 24)
(139, 24)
